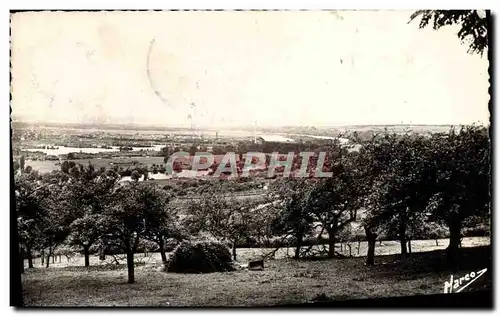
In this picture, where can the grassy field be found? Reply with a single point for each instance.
(282, 281)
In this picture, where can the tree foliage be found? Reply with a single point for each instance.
(462, 162)
(335, 201)
(295, 219)
(397, 186)
(224, 218)
(473, 25)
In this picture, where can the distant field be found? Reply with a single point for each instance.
(45, 166)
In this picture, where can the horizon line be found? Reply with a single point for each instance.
(186, 126)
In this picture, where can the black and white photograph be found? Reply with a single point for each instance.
(251, 158)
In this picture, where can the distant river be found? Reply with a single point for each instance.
(62, 150)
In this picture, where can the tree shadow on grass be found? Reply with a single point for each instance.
(471, 259)
(97, 268)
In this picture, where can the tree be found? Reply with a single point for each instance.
(29, 236)
(261, 227)
(370, 220)
(65, 167)
(462, 189)
(128, 218)
(429, 229)
(28, 169)
(56, 219)
(294, 216)
(350, 233)
(224, 218)
(371, 237)
(15, 252)
(90, 193)
(86, 230)
(476, 226)
(21, 163)
(161, 219)
(373, 159)
(126, 222)
(406, 186)
(335, 201)
(135, 175)
(16, 167)
(473, 25)
(42, 212)
(30, 212)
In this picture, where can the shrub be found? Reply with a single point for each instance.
(200, 257)
(170, 244)
(480, 230)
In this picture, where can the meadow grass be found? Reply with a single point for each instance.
(283, 281)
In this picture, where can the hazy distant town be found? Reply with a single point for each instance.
(44, 146)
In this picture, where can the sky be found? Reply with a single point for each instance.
(307, 68)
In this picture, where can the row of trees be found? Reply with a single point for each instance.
(399, 182)
(399, 186)
(393, 185)
(83, 208)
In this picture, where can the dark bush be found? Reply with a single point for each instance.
(170, 245)
(476, 226)
(200, 257)
(480, 230)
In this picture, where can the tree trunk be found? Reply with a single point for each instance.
(437, 244)
(48, 257)
(234, 251)
(409, 245)
(86, 255)
(130, 266)
(21, 258)
(402, 239)
(297, 246)
(161, 243)
(331, 243)
(42, 256)
(371, 237)
(53, 259)
(30, 257)
(453, 249)
(359, 246)
(350, 250)
(16, 283)
(102, 254)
